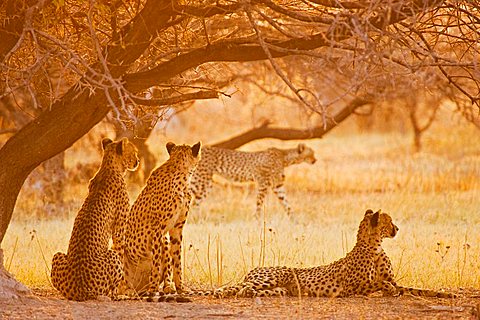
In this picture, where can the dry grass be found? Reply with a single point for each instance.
(432, 196)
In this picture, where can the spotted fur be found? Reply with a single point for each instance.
(161, 208)
(90, 268)
(265, 168)
(365, 269)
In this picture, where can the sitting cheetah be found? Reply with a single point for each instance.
(161, 207)
(365, 269)
(90, 268)
(266, 168)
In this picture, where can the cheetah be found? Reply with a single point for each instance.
(364, 270)
(265, 168)
(90, 269)
(161, 208)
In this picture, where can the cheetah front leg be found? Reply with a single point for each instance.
(156, 270)
(262, 190)
(384, 269)
(176, 236)
(279, 191)
(423, 292)
(385, 272)
(166, 268)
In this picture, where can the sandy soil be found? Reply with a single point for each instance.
(49, 305)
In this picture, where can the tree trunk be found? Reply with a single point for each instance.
(414, 116)
(49, 134)
(139, 138)
(9, 287)
(52, 178)
(417, 140)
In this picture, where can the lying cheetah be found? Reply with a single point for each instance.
(90, 268)
(366, 269)
(161, 207)
(266, 168)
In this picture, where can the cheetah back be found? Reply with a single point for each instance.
(265, 168)
(89, 268)
(161, 207)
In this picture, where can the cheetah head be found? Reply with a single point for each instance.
(380, 223)
(123, 151)
(305, 154)
(189, 154)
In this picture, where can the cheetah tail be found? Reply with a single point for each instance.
(157, 297)
(424, 292)
(171, 297)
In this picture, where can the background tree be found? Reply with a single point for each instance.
(111, 53)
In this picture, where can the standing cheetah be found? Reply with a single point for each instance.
(161, 207)
(365, 269)
(266, 168)
(90, 268)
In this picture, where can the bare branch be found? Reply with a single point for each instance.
(199, 95)
(264, 131)
(247, 49)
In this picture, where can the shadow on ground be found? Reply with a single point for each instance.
(48, 305)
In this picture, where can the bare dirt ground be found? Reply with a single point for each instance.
(49, 305)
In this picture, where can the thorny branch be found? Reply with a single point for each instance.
(275, 66)
(364, 43)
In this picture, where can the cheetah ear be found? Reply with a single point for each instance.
(121, 146)
(369, 211)
(170, 146)
(374, 219)
(196, 149)
(106, 142)
(301, 147)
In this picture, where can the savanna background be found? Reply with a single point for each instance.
(367, 162)
(385, 92)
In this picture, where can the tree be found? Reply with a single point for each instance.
(112, 52)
